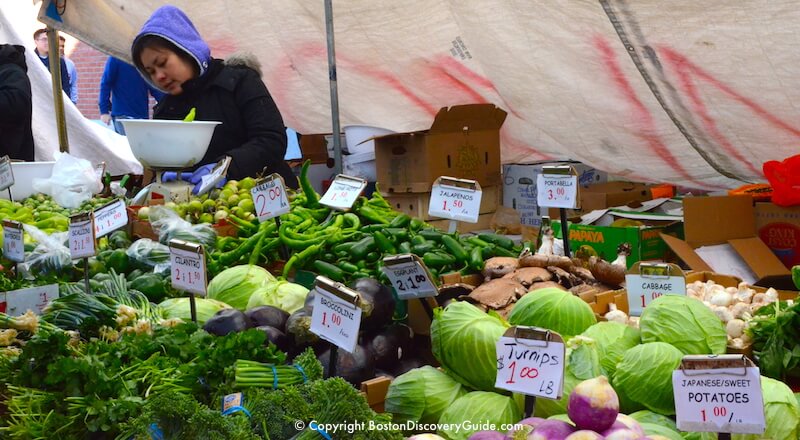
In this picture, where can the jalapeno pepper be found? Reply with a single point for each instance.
(430, 234)
(476, 260)
(404, 248)
(347, 267)
(401, 221)
(329, 270)
(438, 259)
(362, 247)
(455, 248)
(423, 248)
(503, 242)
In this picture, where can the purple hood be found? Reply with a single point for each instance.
(172, 24)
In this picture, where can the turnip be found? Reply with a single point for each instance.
(593, 405)
(487, 435)
(552, 430)
(622, 434)
(584, 435)
(628, 422)
(655, 437)
(425, 437)
(525, 425)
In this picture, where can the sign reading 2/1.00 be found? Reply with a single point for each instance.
(188, 269)
(13, 245)
(81, 236)
(269, 198)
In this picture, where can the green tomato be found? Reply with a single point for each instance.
(233, 200)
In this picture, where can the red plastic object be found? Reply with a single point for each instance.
(785, 180)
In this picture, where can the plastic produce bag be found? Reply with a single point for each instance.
(72, 182)
(785, 180)
(147, 254)
(50, 255)
(169, 225)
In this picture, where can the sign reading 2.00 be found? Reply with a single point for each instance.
(269, 197)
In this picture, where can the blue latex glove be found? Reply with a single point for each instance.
(197, 177)
(169, 176)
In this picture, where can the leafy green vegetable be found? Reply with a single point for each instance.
(684, 322)
(656, 429)
(553, 309)
(583, 362)
(180, 308)
(463, 340)
(781, 412)
(421, 395)
(775, 330)
(644, 375)
(235, 285)
(612, 339)
(282, 294)
(478, 408)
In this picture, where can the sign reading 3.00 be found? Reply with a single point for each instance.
(557, 190)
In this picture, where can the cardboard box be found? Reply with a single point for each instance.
(616, 194)
(779, 228)
(360, 165)
(720, 236)
(598, 231)
(519, 187)
(313, 148)
(463, 142)
(416, 204)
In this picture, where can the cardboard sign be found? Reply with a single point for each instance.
(409, 277)
(211, 179)
(455, 199)
(719, 394)
(531, 361)
(6, 174)
(343, 192)
(110, 217)
(13, 244)
(337, 315)
(557, 187)
(82, 241)
(646, 282)
(19, 301)
(269, 197)
(187, 267)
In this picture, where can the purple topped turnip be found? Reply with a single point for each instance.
(622, 434)
(628, 422)
(425, 437)
(487, 435)
(593, 405)
(528, 424)
(584, 434)
(552, 430)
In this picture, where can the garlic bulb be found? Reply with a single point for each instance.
(615, 315)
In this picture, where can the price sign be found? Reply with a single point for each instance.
(211, 179)
(531, 361)
(646, 282)
(6, 174)
(718, 394)
(455, 199)
(269, 197)
(31, 298)
(409, 276)
(343, 192)
(110, 217)
(13, 246)
(337, 315)
(82, 241)
(187, 266)
(557, 187)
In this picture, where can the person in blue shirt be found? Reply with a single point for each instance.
(71, 70)
(124, 94)
(43, 51)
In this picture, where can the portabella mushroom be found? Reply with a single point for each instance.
(545, 284)
(498, 293)
(497, 267)
(529, 275)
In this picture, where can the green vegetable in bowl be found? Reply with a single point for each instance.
(191, 115)
(685, 323)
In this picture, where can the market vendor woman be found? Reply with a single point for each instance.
(172, 56)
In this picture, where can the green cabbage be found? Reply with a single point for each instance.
(612, 339)
(553, 309)
(781, 412)
(478, 411)
(282, 294)
(235, 285)
(421, 395)
(685, 323)
(583, 362)
(646, 416)
(464, 341)
(644, 376)
(180, 308)
(654, 429)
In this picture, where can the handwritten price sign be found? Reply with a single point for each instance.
(13, 246)
(6, 174)
(646, 282)
(719, 400)
(531, 367)
(557, 191)
(343, 192)
(110, 217)
(34, 299)
(82, 241)
(270, 198)
(455, 199)
(187, 267)
(335, 320)
(409, 277)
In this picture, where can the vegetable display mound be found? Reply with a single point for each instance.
(553, 309)
(477, 409)
(685, 323)
(644, 375)
(422, 395)
(464, 340)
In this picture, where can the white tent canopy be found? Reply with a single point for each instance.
(673, 92)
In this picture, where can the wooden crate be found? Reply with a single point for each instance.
(374, 390)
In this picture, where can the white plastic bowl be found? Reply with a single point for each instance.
(355, 135)
(158, 143)
(24, 173)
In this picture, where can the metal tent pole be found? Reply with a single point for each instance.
(337, 147)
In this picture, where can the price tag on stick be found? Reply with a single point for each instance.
(82, 239)
(6, 173)
(455, 199)
(110, 217)
(557, 187)
(217, 173)
(13, 245)
(343, 192)
(531, 361)
(187, 266)
(337, 314)
(269, 197)
(719, 393)
(409, 276)
(647, 281)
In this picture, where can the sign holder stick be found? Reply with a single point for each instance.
(332, 359)
(86, 274)
(9, 194)
(427, 307)
(452, 226)
(192, 307)
(564, 231)
(724, 436)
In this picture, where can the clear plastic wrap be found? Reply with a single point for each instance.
(168, 225)
(147, 254)
(51, 254)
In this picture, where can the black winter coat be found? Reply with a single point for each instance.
(252, 132)
(16, 108)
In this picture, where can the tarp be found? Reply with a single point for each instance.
(86, 139)
(695, 93)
